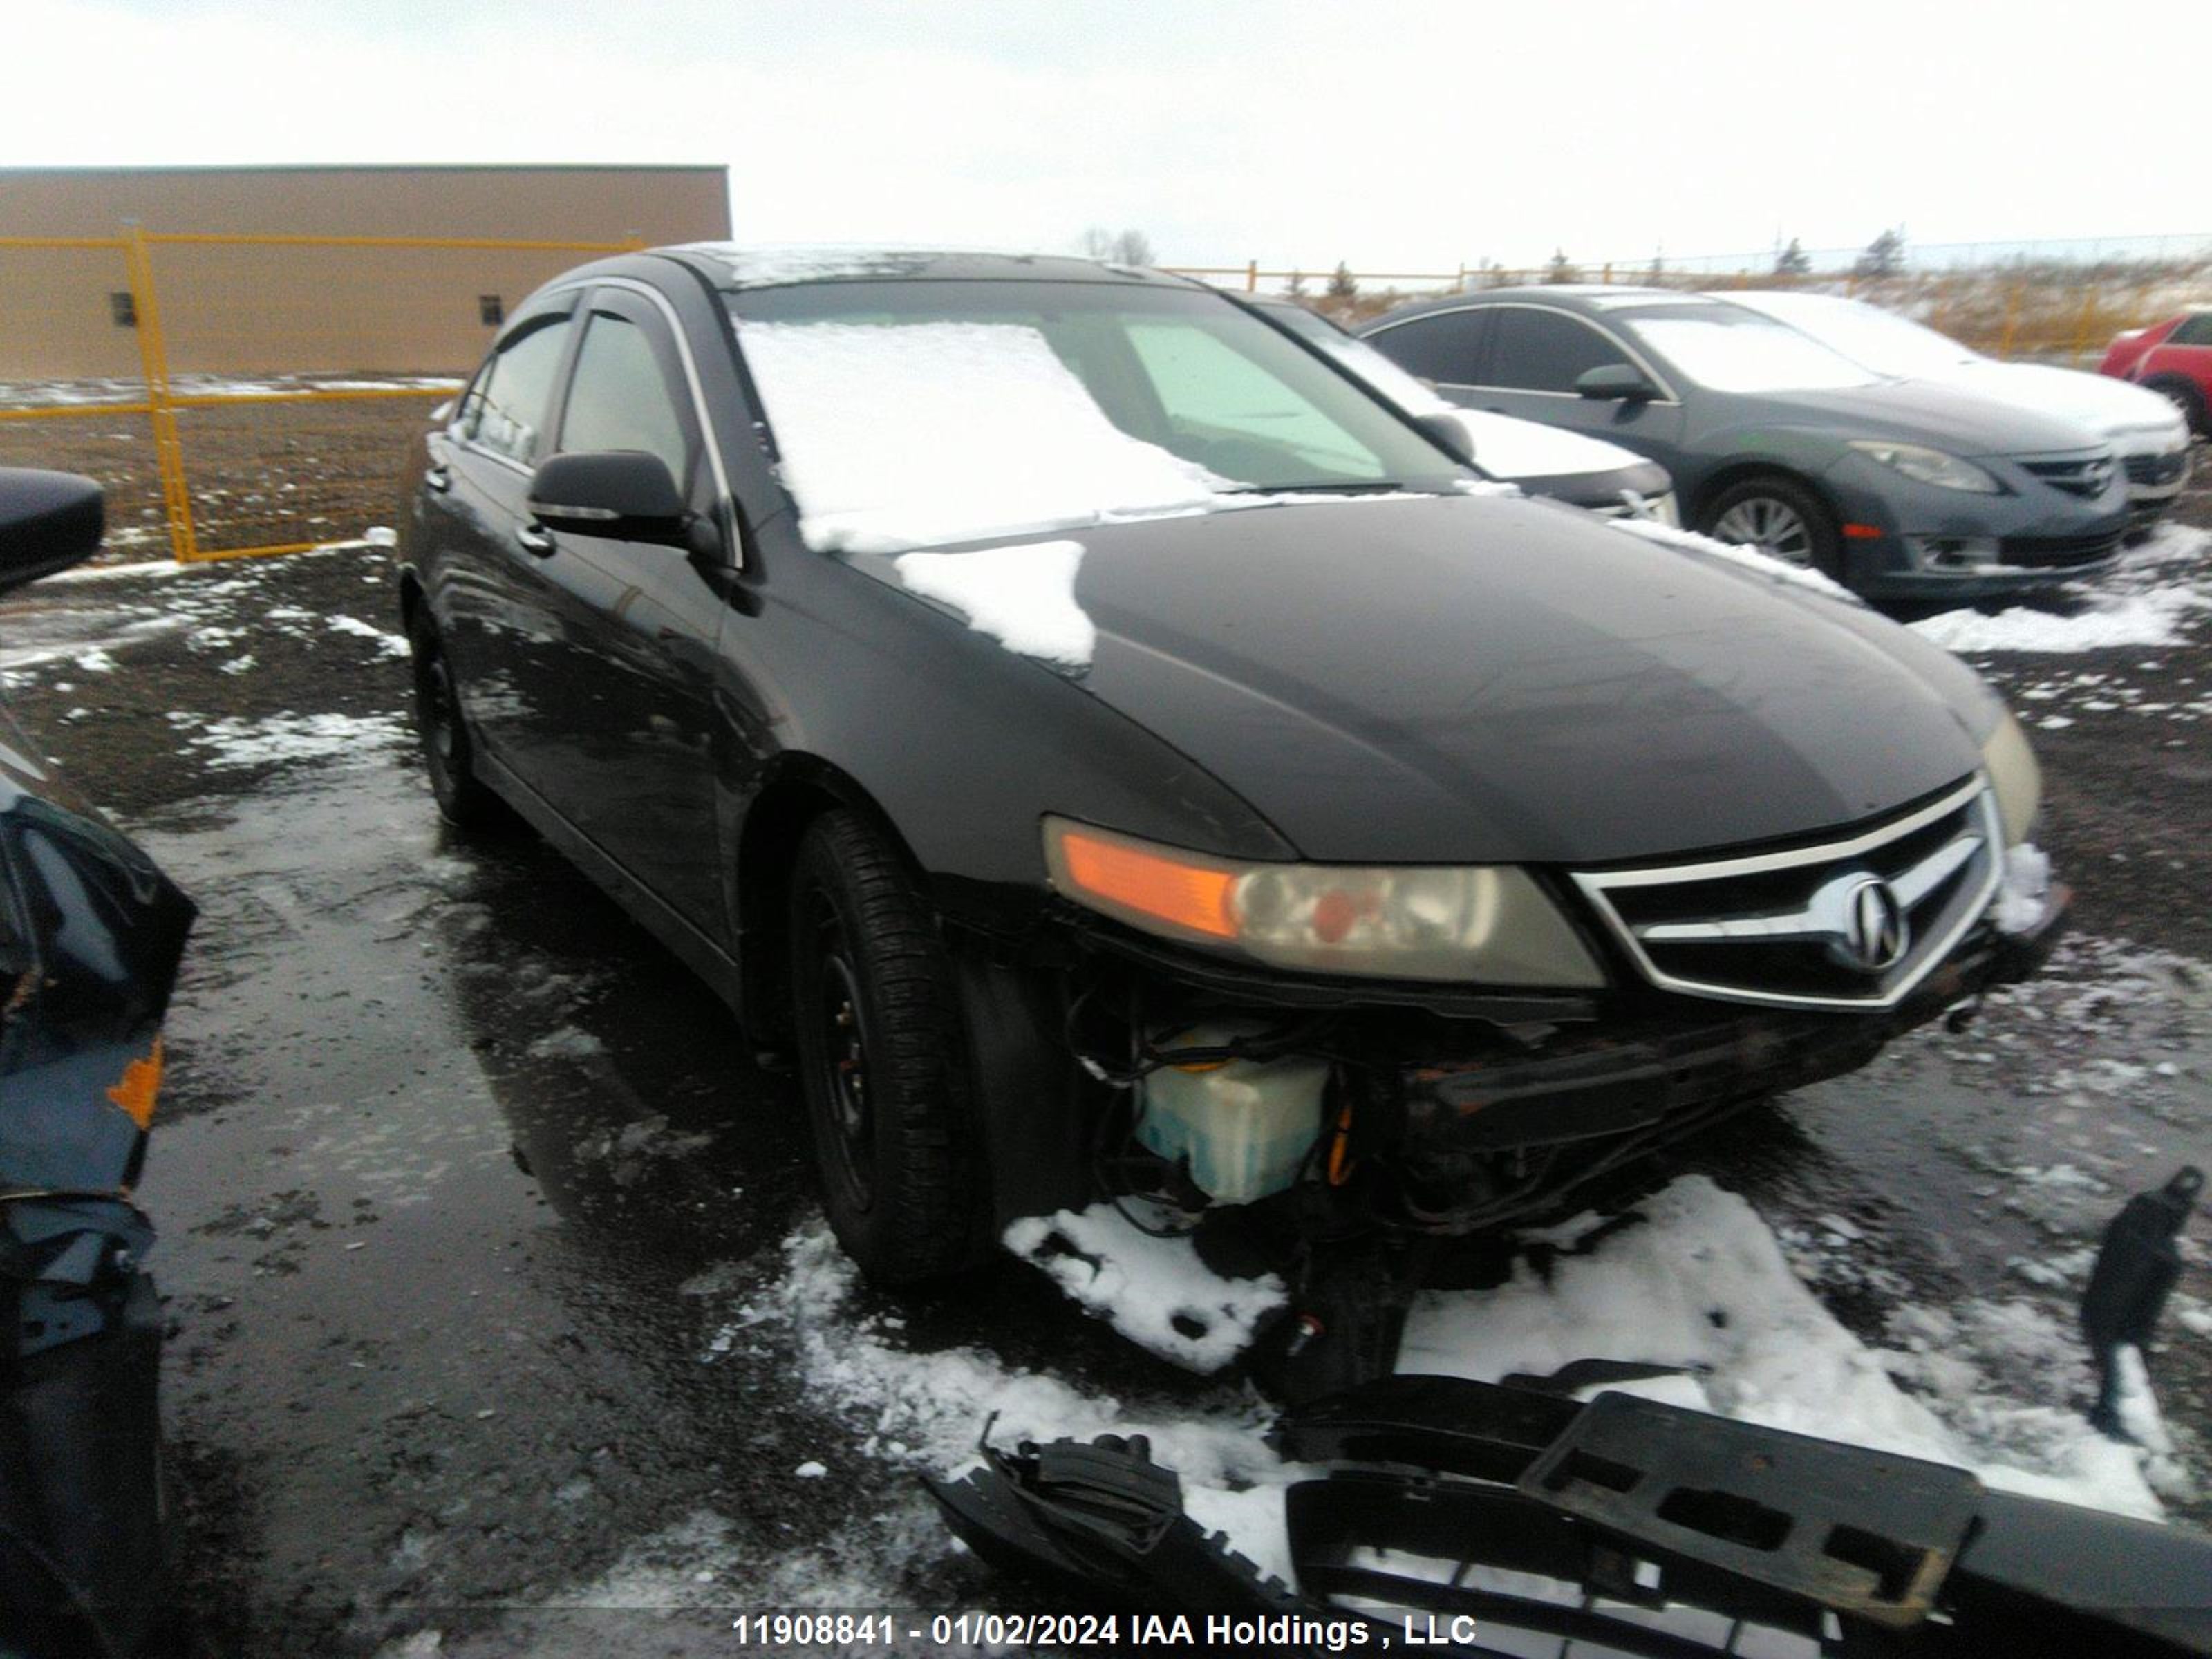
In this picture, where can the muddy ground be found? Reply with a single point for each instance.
(481, 1229)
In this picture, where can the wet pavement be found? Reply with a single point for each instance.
(476, 1211)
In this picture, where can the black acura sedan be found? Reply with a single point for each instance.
(1114, 753)
(1900, 490)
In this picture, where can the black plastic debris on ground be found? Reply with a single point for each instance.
(1483, 1519)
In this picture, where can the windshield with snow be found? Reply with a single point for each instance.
(1876, 339)
(1728, 348)
(909, 413)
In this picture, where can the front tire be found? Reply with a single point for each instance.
(884, 1058)
(448, 755)
(2185, 397)
(1780, 517)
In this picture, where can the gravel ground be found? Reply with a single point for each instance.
(499, 1319)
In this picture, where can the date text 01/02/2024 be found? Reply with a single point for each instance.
(993, 1630)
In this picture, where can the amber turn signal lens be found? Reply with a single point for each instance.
(1186, 896)
(141, 1084)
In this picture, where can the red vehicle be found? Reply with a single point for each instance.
(2173, 358)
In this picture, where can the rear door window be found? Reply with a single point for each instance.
(1445, 349)
(505, 410)
(2192, 330)
(1546, 350)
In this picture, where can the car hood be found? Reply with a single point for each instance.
(1508, 449)
(1943, 416)
(1443, 680)
(2111, 408)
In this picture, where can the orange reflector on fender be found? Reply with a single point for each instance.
(1188, 896)
(1864, 532)
(142, 1082)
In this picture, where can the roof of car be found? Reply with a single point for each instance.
(1575, 296)
(732, 265)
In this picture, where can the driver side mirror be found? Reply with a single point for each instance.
(1447, 433)
(625, 495)
(48, 522)
(1616, 383)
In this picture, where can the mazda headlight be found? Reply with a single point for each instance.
(1490, 923)
(1929, 466)
(2014, 775)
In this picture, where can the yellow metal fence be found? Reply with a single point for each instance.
(160, 399)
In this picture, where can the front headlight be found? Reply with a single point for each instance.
(1929, 466)
(1490, 923)
(2011, 764)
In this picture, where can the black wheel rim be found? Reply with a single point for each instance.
(843, 1075)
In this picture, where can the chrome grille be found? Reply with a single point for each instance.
(2084, 475)
(1850, 924)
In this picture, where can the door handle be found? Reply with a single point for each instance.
(535, 541)
(438, 478)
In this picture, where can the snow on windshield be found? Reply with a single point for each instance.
(899, 437)
(1744, 355)
(1880, 340)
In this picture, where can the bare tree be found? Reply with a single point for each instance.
(1118, 247)
(1562, 268)
(1296, 288)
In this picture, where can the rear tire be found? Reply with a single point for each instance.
(883, 1055)
(448, 755)
(1779, 517)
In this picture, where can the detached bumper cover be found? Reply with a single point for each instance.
(1464, 1517)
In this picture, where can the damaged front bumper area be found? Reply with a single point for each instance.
(1459, 1119)
(1466, 1518)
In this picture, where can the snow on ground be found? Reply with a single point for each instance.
(1022, 596)
(2149, 597)
(1154, 1290)
(237, 741)
(1703, 1285)
(925, 1411)
(391, 644)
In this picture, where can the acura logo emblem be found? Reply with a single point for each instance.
(1876, 932)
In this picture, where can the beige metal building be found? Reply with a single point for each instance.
(68, 312)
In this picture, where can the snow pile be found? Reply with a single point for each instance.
(2152, 618)
(1749, 557)
(2025, 894)
(2148, 598)
(1154, 1290)
(1704, 1285)
(1023, 596)
(894, 438)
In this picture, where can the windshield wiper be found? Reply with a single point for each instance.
(1381, 486)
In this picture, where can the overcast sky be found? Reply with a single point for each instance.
(1405, 135)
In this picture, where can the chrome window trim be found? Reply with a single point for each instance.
(708, 436)
(1976, 792)
(1668, 400)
